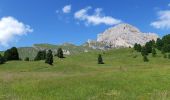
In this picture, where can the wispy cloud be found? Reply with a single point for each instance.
(66, 9)
(163, 21)
(10, 28)
(96, 18)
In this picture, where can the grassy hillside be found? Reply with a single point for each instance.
(79, 77)
(32, 51)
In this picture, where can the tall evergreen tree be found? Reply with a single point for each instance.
(137, 47)
(49, 58)
(153, 52)
(159, 44)
(2, 60)
(60, 53)
(149, 46)
(144, 51)
(11, 54)
(100, 59)
(41, 55)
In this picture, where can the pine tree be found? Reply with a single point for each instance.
(49, 58)
(11, 54)
(145, 58)
(137, 47)
(144, 51)
(2, 60)
(60, 53)
(41, 55)
(100, 59)
(159, 44)
(153, 52)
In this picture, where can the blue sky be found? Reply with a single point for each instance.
(76, 21)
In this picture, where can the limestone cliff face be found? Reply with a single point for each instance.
(125, 35)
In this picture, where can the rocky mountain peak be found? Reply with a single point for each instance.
(125, 35)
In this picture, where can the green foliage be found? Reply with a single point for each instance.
(144, 51)
(137, 47)
(166, 39)
(41, 55)
(2, 60)
(159, 44)
(168, 56)
(100, 59)
(166, 48)
(60, 53)
(153, 52)
(11, 54)
(165, 55)
(149, 46)
(49, 58)
(27, 59)
(145, 58)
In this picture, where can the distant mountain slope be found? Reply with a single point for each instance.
(125, 35)
(68, 49)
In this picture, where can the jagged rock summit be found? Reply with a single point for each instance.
(125, 35)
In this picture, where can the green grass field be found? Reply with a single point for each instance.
(79, 77)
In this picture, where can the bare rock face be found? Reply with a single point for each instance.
(125, 35)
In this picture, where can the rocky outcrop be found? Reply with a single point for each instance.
(125, 35)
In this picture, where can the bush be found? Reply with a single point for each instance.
(168, 56)
(145, 58)
(165, 55)
(27, 59)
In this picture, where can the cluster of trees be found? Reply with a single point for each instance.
(10, 54)
(48, 56)
(150, 47)
(2, 59)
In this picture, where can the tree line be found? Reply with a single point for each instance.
(152, 46)
(47, 55)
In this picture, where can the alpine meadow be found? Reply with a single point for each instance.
(84, 50)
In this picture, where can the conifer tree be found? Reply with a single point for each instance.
(153, 52)
(144, 51)
(2, 60)
(11, 54)
(100, 59)
(49, 58)
(60, 53)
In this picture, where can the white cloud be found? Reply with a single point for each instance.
(163, 21)
(10, 28)
(96, 18)
(67, 9)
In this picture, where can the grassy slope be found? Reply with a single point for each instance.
(31, 52)
(78, 77)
